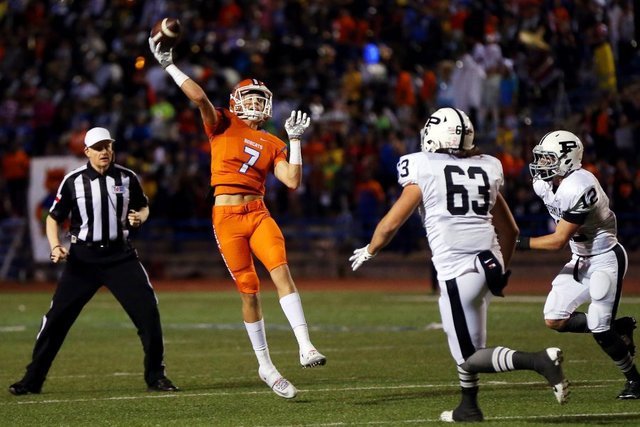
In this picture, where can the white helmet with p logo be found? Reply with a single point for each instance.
(558, 153)
(447, 129)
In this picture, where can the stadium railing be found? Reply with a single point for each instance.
(315, 246)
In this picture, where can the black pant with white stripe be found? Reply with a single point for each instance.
(129, 283)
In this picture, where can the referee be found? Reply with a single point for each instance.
(104, 200)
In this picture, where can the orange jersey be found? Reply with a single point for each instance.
(241, 157)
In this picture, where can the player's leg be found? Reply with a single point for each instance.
(565, 297)
(231, 230)
(624, 326)
(463, 310)
(604, 280)
(75, 288)
(268, 244)
(129, 283)
(463, 307)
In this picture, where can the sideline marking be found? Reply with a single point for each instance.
(492, 384)
(16, 328)
(510, 418)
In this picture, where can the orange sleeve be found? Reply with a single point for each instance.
(221, 125)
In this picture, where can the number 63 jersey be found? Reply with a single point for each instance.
(457, 197)
(579, 199)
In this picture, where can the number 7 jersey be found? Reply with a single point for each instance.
(241, 157)
(457, 197)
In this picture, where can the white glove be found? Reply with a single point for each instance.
(296, 124)
(359, 257)
(164, 57)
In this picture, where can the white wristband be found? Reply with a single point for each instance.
(295, 153)
(178, 76)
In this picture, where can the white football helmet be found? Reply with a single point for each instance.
(449, 129)
(251, 100)
(558, 153)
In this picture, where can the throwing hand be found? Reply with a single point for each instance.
(164, 57)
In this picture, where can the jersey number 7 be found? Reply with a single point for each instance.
(254, 154)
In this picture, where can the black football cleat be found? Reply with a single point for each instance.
(163, 384)
(631, 391)
(462, 415)
(20, 388)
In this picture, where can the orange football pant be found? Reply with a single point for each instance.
(242, 229)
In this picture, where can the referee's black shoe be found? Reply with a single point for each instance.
(20, 388)
(163, 384)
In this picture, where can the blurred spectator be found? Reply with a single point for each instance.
(370, 205)
(467, 81)
(604, 65)
(368, 72)
(15, 172)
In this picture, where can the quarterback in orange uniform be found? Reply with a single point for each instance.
(241, 157)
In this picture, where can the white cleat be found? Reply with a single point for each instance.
(279, 384)
(558, 382)
(312, 358)
(447, 417)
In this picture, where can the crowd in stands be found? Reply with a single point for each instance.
(369, 73)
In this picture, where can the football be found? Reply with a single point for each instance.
(166, 32)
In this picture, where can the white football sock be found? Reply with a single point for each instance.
(292, 308)
(258, 338)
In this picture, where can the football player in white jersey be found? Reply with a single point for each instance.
(580, 208)
(472, 236)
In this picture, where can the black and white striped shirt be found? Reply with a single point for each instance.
(98, 204)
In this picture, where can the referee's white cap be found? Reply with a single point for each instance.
(95, 135)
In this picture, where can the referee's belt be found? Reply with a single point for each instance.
(101, 244)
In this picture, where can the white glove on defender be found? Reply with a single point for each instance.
(164, 57)
(296, 124)
(359, 257)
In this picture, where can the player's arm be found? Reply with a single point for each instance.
(567, 227)
(197, 95)
(556, 240)
(506, 228)
(191, 89)
(389, 225)
(290, 172)
(401, 210)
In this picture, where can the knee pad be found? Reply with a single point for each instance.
(601, 289)
(247, 282)
(598, 318)
(601, 286)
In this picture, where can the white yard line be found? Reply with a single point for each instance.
(183, 394)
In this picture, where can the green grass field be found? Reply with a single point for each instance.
(388, 364)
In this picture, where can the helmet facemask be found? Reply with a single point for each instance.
(251, 100)
(545, 165)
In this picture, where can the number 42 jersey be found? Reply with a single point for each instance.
(457, 197)
(579, 199)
